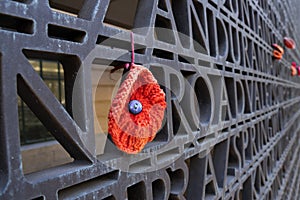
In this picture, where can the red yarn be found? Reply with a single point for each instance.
(289, 43)
(293, 69)
(131, 132)
(277, 51)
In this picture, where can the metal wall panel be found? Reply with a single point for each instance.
(232, 121)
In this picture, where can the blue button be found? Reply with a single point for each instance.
(135, 107)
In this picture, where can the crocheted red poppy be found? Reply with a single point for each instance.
(132, 130)
(289, 43)
(277, 51)
(293, 69)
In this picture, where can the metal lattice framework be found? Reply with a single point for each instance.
(237, 140)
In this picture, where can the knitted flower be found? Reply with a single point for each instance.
(289, 43)
(293, 69)
(277, 51)
(137, 111)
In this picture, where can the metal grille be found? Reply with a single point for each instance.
(232, 122)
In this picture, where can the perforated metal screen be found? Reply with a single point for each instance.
(231, 128)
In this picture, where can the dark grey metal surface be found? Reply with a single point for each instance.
(237, 140)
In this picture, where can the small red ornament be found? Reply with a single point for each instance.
(137, 111)
(277, 52)
(289, 43)
(294, 69)
(298, 69)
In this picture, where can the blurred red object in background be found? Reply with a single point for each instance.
(289, 43)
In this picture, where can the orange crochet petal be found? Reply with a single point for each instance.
(131, 132)
(277, 55)
(278, 48)
(293, 71)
